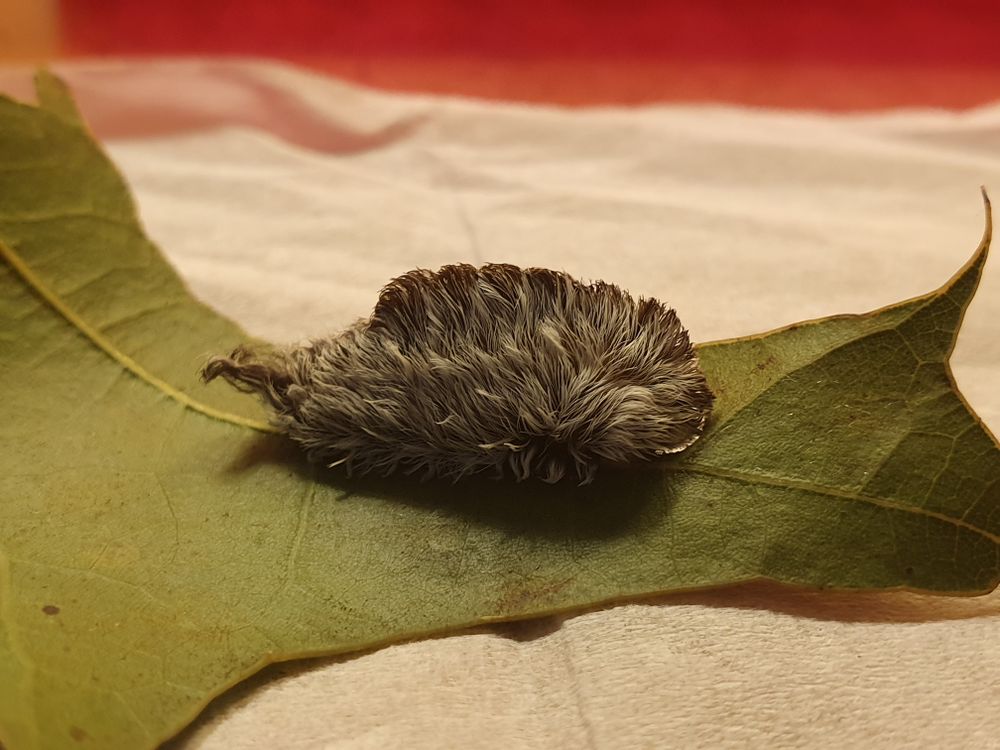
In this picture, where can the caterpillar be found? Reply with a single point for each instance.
(498, 369)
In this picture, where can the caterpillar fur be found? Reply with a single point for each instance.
(508, 371)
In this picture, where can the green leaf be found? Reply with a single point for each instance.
(156, 549)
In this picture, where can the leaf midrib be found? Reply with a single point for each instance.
(788, 483)
(97, 339)
(29, 277)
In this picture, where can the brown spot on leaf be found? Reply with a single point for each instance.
(50, 609)
(78, 734)
(761, 366)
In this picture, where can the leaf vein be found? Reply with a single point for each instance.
(797, 484)
(102, 343)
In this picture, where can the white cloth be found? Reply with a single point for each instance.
(287, 200)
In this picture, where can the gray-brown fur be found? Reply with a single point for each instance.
(518, 372)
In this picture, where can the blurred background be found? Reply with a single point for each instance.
(824, 54)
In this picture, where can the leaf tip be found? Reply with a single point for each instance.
(968, 275)
(988, 232)
(54, 96)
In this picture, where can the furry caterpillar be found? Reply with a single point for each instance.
(522, 372)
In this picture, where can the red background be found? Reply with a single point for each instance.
(813, 53)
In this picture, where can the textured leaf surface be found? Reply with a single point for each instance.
(154, 550)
